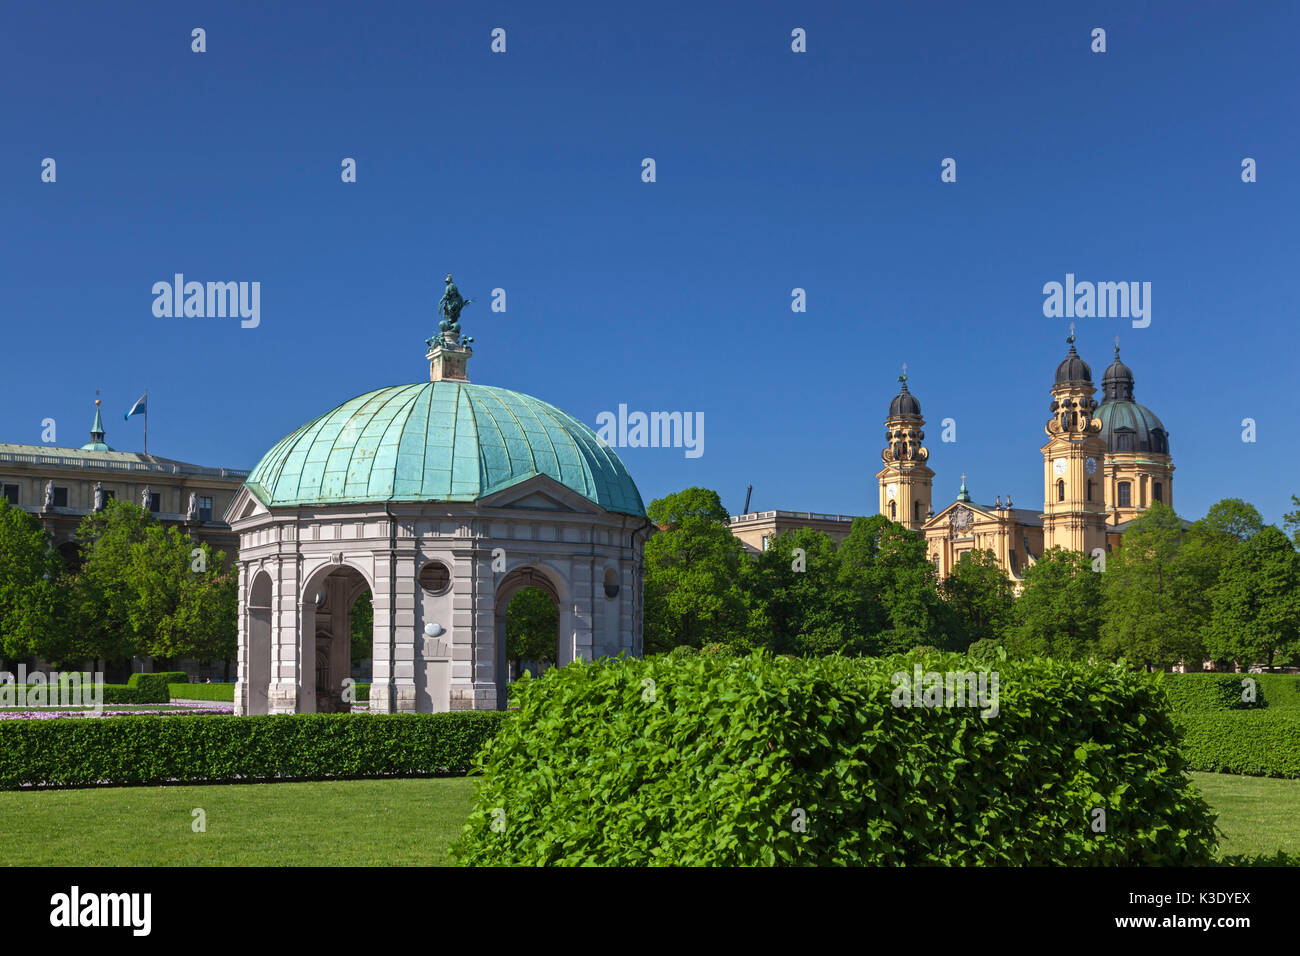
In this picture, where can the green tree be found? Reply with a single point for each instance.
(362, 629)
(146, 589)
(1255, 614)
(1231, 520)
(1155, 594)
(30, 625)
(1058, 613)
(692, 573)
(797, 602)
(898, 604)
(532, 626)
(1291, 520)
(980, 598)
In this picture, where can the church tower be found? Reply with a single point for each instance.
(1139, 468)
(1074, 507)
(905, 480)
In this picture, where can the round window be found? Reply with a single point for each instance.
(435, 577)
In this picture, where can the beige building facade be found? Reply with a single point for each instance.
(757, 528)
(60, 486)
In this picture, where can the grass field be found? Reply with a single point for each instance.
(340, 823)
(398, 822)
(1258, 815)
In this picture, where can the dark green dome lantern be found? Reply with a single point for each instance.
(1126, 425)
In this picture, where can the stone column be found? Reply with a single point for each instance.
(241, 644)
(286, 637)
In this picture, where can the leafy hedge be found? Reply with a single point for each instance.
(198, 749)
(1261, 743)
(156, 684)
(1281, 691)
(1206, 692)
(224, 693)
(113, 694)
(701, 760)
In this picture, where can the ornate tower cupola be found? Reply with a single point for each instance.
(1117, 382)
(1074, 508)
(905, 480)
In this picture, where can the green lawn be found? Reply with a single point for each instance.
(343, 823)
(398, 822)
(1258, 815)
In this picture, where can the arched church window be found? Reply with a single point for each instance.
(1125, 494)
(916, 511)
(1089, 489)
(1158, 492)
(1060, 489)
(893, 511)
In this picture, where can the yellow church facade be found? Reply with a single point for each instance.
(1104, 463)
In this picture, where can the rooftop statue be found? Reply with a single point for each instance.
(451, 303)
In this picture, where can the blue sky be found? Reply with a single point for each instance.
(775, 170)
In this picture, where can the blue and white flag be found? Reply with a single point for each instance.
(138, 408)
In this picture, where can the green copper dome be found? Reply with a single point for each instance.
(439, 441)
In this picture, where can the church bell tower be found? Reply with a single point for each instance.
(1074, 508)
(905, 480)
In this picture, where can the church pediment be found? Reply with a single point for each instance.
(956, 513)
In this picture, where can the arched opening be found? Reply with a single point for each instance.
(1158, 492)
(916, 511)
(336, 611)
(1060, 489)
(258, 659)
(893, 511)
(532, 631)
(527, 628)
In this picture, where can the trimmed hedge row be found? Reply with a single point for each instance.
(222, 693)
(113, 694)
(1281, 691)
(156, 683)
(226, 692)
(199, 749)
(1203, 692)
(1261, 743)
(704, 760)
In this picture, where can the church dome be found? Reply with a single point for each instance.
(1126, 425)
(1074, 370)
(904, 404)
(439, 441)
